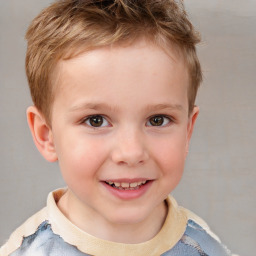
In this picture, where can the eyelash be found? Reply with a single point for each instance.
(89, 119)
(166, 121)
(164, 124)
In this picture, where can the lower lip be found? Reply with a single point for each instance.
(128, 194)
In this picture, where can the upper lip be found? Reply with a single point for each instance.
(126, 180)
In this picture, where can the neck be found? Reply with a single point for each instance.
(129, 233)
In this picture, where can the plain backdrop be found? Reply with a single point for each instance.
(219, 178)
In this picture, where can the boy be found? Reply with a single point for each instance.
(114, 85)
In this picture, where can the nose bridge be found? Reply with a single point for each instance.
(130, 147)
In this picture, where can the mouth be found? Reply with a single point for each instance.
(127, 185)
(128, 189)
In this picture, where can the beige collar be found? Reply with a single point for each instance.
(171, 232)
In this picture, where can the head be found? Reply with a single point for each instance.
(114, 84)
(69, 27)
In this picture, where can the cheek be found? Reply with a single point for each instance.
(81, 159)
(171, 153)
(170, 160)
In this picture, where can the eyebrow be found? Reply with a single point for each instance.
(93, 106)
(158, 107)
(104, 106)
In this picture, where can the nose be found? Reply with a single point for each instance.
(130, 149)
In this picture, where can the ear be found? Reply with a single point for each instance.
(191, 124)
(41, 133)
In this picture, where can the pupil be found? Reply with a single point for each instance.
(157, 121)
(96, 121)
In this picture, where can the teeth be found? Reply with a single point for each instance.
(133, 185)
(126, 185)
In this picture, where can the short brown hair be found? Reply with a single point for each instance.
(69, 26)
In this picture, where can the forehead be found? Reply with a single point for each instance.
(121, 68)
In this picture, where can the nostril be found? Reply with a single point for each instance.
(121, 163)
(130, 162)
(130, 153)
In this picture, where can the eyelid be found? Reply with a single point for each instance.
(170, 120)
(87, 118)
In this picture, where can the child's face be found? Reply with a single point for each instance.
(120, 119)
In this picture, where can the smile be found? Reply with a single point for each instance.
(125, 185)
(128, 189)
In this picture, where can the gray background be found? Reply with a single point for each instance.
(219, 180)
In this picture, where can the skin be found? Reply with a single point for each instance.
(127, 87)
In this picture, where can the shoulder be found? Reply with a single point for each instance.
(198, 239)
(197, 223)
(28, 228)
(44, 242)
(36, 235)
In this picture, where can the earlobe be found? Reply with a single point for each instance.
(191, 124)
(41, 133)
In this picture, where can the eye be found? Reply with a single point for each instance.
(158, 121)
(96, 121)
